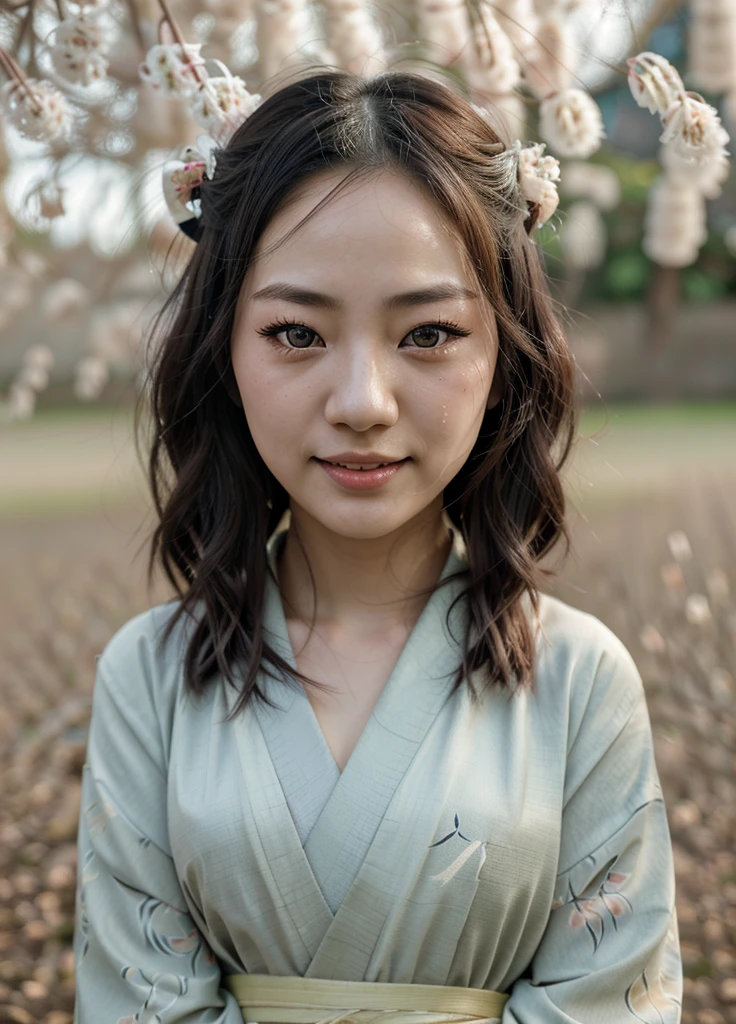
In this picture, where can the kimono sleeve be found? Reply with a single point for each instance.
(139, 958)
(610, 952)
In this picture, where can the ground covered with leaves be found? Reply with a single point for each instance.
(661, 572)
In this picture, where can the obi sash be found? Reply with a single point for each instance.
(273, 999)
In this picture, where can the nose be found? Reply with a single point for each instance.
(361, 389)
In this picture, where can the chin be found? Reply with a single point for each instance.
(355, 523)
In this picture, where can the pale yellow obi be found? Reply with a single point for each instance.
(272, 999)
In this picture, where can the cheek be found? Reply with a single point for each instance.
(452, 408)
(273, 409)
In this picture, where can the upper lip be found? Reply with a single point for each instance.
(362, 458)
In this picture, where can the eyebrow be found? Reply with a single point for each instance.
(420, 297)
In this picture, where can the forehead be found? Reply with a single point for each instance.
(383, 227)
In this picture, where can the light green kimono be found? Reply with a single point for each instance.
(519, 844)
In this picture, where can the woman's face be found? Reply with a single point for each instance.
(367, 365)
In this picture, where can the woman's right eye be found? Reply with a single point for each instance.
(298, 336)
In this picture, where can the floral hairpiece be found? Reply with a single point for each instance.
(182, 177)
(538, 177)
(220, 103)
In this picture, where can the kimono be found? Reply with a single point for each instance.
(515, 843)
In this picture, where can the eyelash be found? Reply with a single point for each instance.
(272, 330)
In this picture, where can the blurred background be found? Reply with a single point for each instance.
(640, 253)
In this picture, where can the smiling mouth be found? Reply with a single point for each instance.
(361, 466)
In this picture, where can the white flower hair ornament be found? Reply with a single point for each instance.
(182, 178)
(220, 104)
(538, 177)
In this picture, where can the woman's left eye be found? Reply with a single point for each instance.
(428, 333)
(425, 336)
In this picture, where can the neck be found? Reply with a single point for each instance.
(361, 586)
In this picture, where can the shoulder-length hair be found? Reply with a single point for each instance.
(217, 502)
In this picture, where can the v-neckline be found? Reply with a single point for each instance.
(455, 561)
(337, 815)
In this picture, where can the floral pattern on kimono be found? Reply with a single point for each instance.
(139, 957)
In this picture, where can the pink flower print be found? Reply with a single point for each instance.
(616, 905)
(588, 912)
(592, 912)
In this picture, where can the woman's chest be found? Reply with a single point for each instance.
(356, 672)
(445, 823)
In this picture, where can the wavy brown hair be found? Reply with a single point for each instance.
(217, 502)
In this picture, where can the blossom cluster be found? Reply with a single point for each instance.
(538, 177)
(218, 103)
(693, 155)
(80, 46)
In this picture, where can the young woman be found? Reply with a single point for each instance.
(364, 767)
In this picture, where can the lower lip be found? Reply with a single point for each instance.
(362, 479)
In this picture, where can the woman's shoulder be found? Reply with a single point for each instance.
(576, 649)
(142, 661)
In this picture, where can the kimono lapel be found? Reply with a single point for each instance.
(342, 818)
(285, 893)
(406, 709)
(301, 757)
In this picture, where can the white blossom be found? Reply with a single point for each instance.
(551, 66)
(722, 686)
(538, 177)
(583, 235)
(63, 299)
(518, 19)
(596, 182)
(36, 109)
(354, 37)
(21, 401)
(652, 640)
(166, 68)
(34, 376)
(281, 30)
(79, 48)
(674, 223)
(693, 129)
(711, 48)
(653, 81)
(491, 66)
(444, 29)
(697, 609)
(221, 105)
(571, 123)
(116, 333)
(708, 175)
(717, 584)
(679, 545)
(39, 355)
(91, 376)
